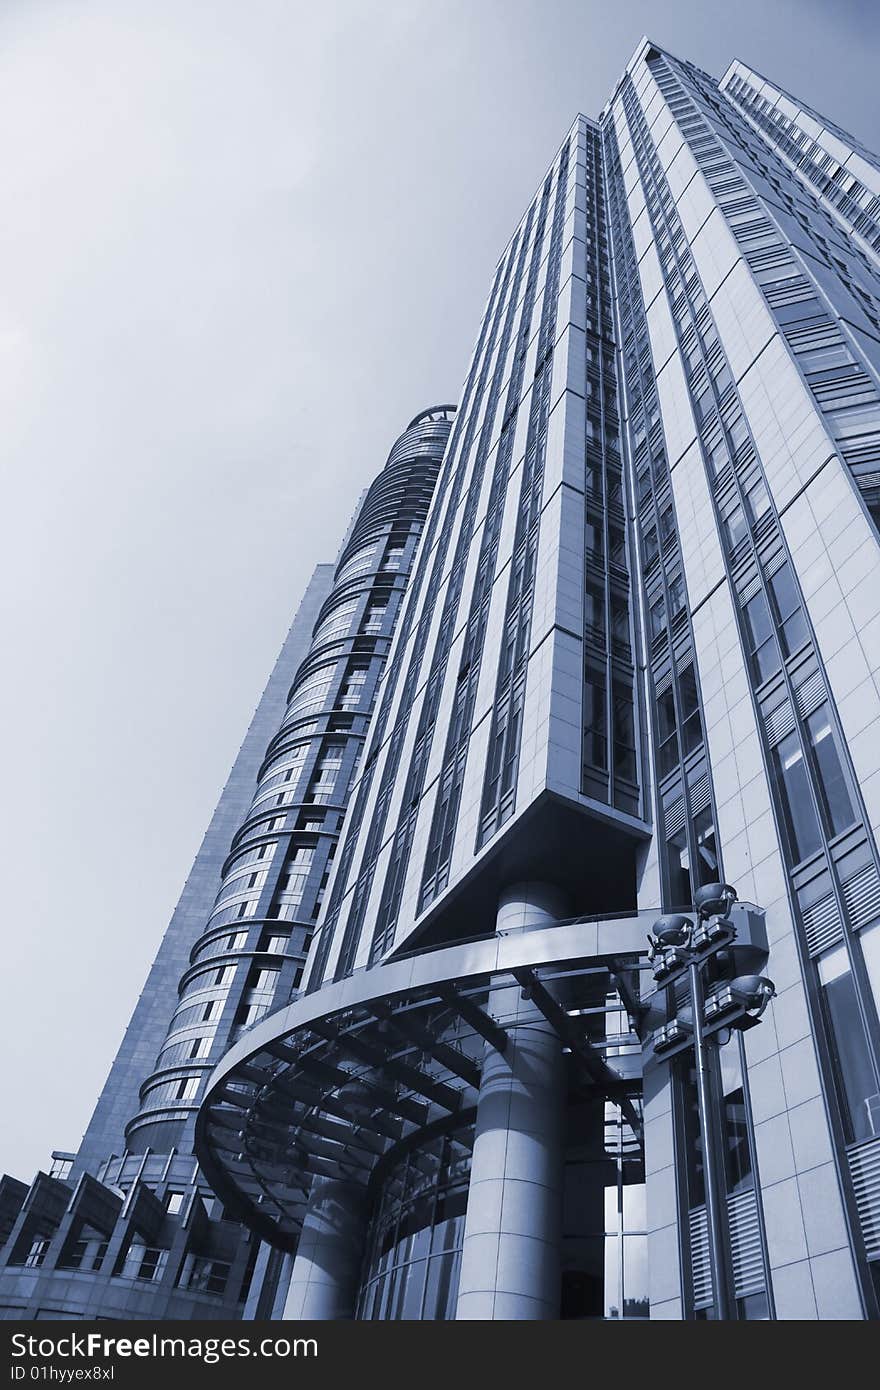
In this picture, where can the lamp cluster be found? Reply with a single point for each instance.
(677, 942)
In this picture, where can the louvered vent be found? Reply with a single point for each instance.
(779, 722)
(864, 1164)
(861, 894)
(699, 795)
(822, 925)
(764, 526)
(810, 695)
(745, 1249)
(745, 1241)
(673, 819)
(700, 1270)
(749, 589)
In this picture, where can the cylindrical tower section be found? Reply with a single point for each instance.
(251, 955)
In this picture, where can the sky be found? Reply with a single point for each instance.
(242, 245)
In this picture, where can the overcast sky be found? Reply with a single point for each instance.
(242, 243)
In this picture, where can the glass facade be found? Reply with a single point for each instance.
(414, 1246)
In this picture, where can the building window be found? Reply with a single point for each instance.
(757, 502)
(850, 1050)
(679, 869)
(667, 756)
(735, 526)
(143, 1262)
(792, 623)
(204, 1274)
(594, 536)
(793, 782)
(676, 595)
(658, 618)
(595, 724)
(869, 939)
(594, 611)
(652, 547)
(707, 849)
(834, 795)
(37, 1253)
(761, 638)
(624, 734)
(691, 724)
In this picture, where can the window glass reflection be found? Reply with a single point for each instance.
(850, 1051)
(797, 803)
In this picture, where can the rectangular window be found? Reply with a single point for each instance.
(652, 547)
(679, 866)
(850, 1050)
(707, 850)
(718, 457)
(617, 546)
(658, 617)
(676, 595)
(620, 621)
(594, 609)
(793, 784)
(757, 501)
(738, 1158)
(761, 639)
(624, 734)
(830, 780)
(595, 724)
(594, 536)
(787, 602)
(691, 724)
(735, 526)
(667, 733)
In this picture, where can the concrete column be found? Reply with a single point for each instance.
(510, 1266)
(326, 1270)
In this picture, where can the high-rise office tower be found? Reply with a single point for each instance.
(127, 1227)
(638, 661)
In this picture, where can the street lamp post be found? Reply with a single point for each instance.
(679, 948)
(713, 1176)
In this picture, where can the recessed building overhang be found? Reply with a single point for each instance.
(339, 1082)
(584, 848)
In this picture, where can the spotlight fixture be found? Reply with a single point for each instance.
(714, 900)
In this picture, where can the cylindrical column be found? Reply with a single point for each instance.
(326, 1270)
(528, 905)
(510, 1265)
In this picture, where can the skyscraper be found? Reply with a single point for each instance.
(633, 689)
(127, 1226)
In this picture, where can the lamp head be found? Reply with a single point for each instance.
(714, 899)
(672, 930)
(753, 992)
